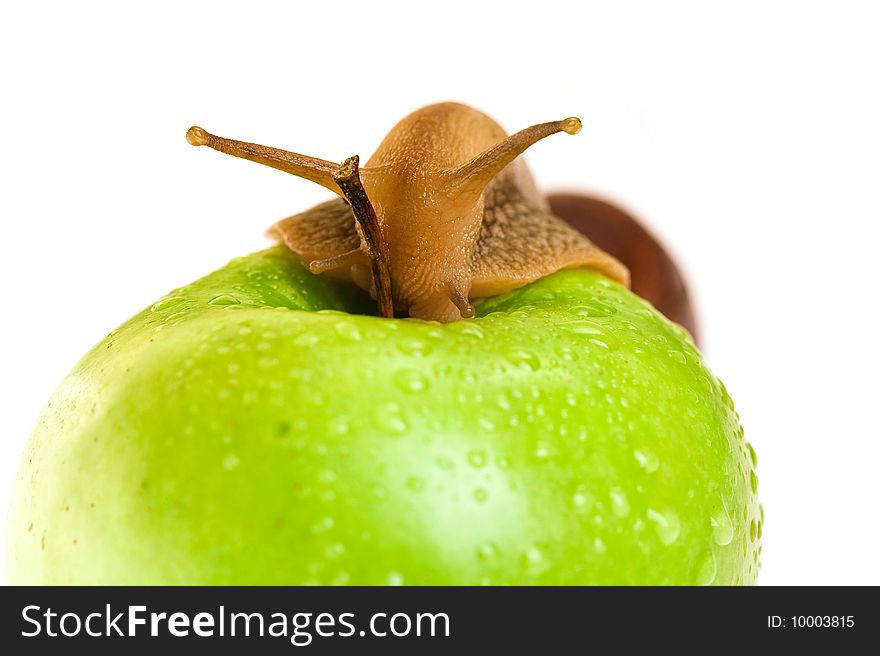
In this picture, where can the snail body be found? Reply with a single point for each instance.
(441, 214)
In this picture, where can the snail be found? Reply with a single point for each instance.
(442, 214)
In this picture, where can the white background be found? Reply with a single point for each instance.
(747, 135)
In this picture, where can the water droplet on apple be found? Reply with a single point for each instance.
(487, 551)
(503, 402)
(415, 483)
(708, 570)
(266, 362)
(584, 311)
(725, 396)
(753, 530)
(477, 457)
(468, 328)
(582, 327)
(394, 578)
(323, 525)
(524, 359)
(392, 421)
(486, 425)
(753, 480)
(542, 450)
(601, 306)
(481, 494)
(341, 579)
(348, 330)
(231, 461)
(410, 381)
(306, 340)
(667, 525)
(535, 561)
(722, 527)
(334, 550)
(566, 353)
(581, 499)
(677, 356)
(619, 502)
(599, 546)
(647, 459)
(339, 425)
(224, 299)
(326, 476)
(752, 455)
(413, 346)
(166, 303)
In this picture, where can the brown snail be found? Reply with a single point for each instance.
(441, 214)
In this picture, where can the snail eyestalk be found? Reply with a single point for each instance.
(473, 176)
(461, 301)
(572, 125)
(310, 168)
(197, 136)
(347, 177)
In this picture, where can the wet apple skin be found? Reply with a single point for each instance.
(254, 427)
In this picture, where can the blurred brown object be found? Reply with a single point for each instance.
(655, 276)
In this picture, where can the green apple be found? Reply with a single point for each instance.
(259, 427)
